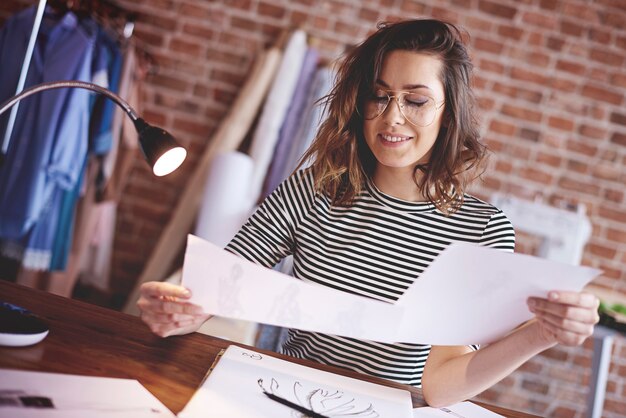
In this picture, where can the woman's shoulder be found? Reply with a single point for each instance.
(472, 204)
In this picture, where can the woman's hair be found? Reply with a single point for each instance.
(341, 159)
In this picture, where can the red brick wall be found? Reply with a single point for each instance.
(551, 79)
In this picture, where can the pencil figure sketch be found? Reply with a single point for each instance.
(286, 309)
(229, 289)
(351, 319)
(328, 402)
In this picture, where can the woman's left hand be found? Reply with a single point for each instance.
(565, 317)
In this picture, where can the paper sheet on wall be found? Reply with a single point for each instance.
(240, 374)
(468, 295)
(27, 394)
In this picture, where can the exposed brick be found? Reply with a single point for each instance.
(582, 148)
(535, 386)
(549, 159)
(200, 31)
(571, 67)
(570, 28)
(618, 138)
(497, 9)
(562, 124)
(185, 47)
(542, 20)
(592, 131)
(521, 113)
(619, 118)
(613, 195)
(602, 94)
(599, 35)
(606, 57)
(491, 66)
(413, 6)
(618, 80)
(618, 236)
(613, 214)
(530, 76)
(536, 175)
(270, 10)
(488, 45)
(577, 166)
(512, 32)
(502, 127)
(569, 183)
(530, 134)
(554, 43)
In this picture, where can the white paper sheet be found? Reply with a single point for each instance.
(227, 285)
(475, 295)
(75, 396)
(459, 410)
(233, 390)
(468, 295)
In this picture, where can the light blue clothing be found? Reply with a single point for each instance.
(311, 121)
(49, 141)
(292, 121)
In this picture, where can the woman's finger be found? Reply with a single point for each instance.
(573, 313)
(164, 289)
(562, 336)
(168, 307)
(566, 324)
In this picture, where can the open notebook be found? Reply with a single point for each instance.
(236, 386)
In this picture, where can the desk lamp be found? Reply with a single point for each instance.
(160, 149)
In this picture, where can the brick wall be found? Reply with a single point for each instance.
(551, 79)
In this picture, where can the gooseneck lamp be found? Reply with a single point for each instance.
(160, 149)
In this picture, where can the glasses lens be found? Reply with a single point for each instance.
(418, 109)
(376, 104)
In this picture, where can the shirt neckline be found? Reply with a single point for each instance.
(397, 203)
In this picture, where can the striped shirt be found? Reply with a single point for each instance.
(376, 247)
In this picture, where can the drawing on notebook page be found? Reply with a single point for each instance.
(326, 402)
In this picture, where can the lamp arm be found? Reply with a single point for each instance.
(72, 84)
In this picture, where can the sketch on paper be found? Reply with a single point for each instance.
(230, 289)
(327, 402)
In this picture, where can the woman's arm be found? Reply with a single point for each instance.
(455, 373)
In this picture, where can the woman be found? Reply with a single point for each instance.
(384, 195)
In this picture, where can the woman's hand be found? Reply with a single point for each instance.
(567, 318)
(164, 308)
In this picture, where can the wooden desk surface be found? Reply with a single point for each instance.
(89, 340)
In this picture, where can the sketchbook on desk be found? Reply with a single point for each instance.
(241, 381)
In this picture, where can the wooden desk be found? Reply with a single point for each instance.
(89, 340)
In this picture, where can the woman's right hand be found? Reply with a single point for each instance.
(164, 308)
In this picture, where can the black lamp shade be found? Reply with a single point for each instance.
(157, 145)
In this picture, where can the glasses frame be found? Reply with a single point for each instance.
(398, 95)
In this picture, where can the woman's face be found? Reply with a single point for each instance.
(395, 142)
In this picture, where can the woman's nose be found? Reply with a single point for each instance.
(393, 114)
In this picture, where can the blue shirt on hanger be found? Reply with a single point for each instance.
(50, 136)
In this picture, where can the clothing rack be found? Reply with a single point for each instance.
(104, 12)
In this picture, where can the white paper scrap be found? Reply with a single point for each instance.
(459, 410)
(468, 295)
(234, 389)
(28, 394)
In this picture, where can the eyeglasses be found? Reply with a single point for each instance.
(417, 108)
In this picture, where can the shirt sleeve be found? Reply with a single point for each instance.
(269, 235)
(499, 233)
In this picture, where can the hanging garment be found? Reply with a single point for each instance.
(49, 140)
(311, 121)
(292, 122)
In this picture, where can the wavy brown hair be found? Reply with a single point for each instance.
(341, 159)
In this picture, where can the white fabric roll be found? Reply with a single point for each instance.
(275, 109)
(226, 202)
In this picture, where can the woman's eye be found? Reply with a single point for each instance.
(417, 101)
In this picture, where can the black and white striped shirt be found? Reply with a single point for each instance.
(376, 248)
